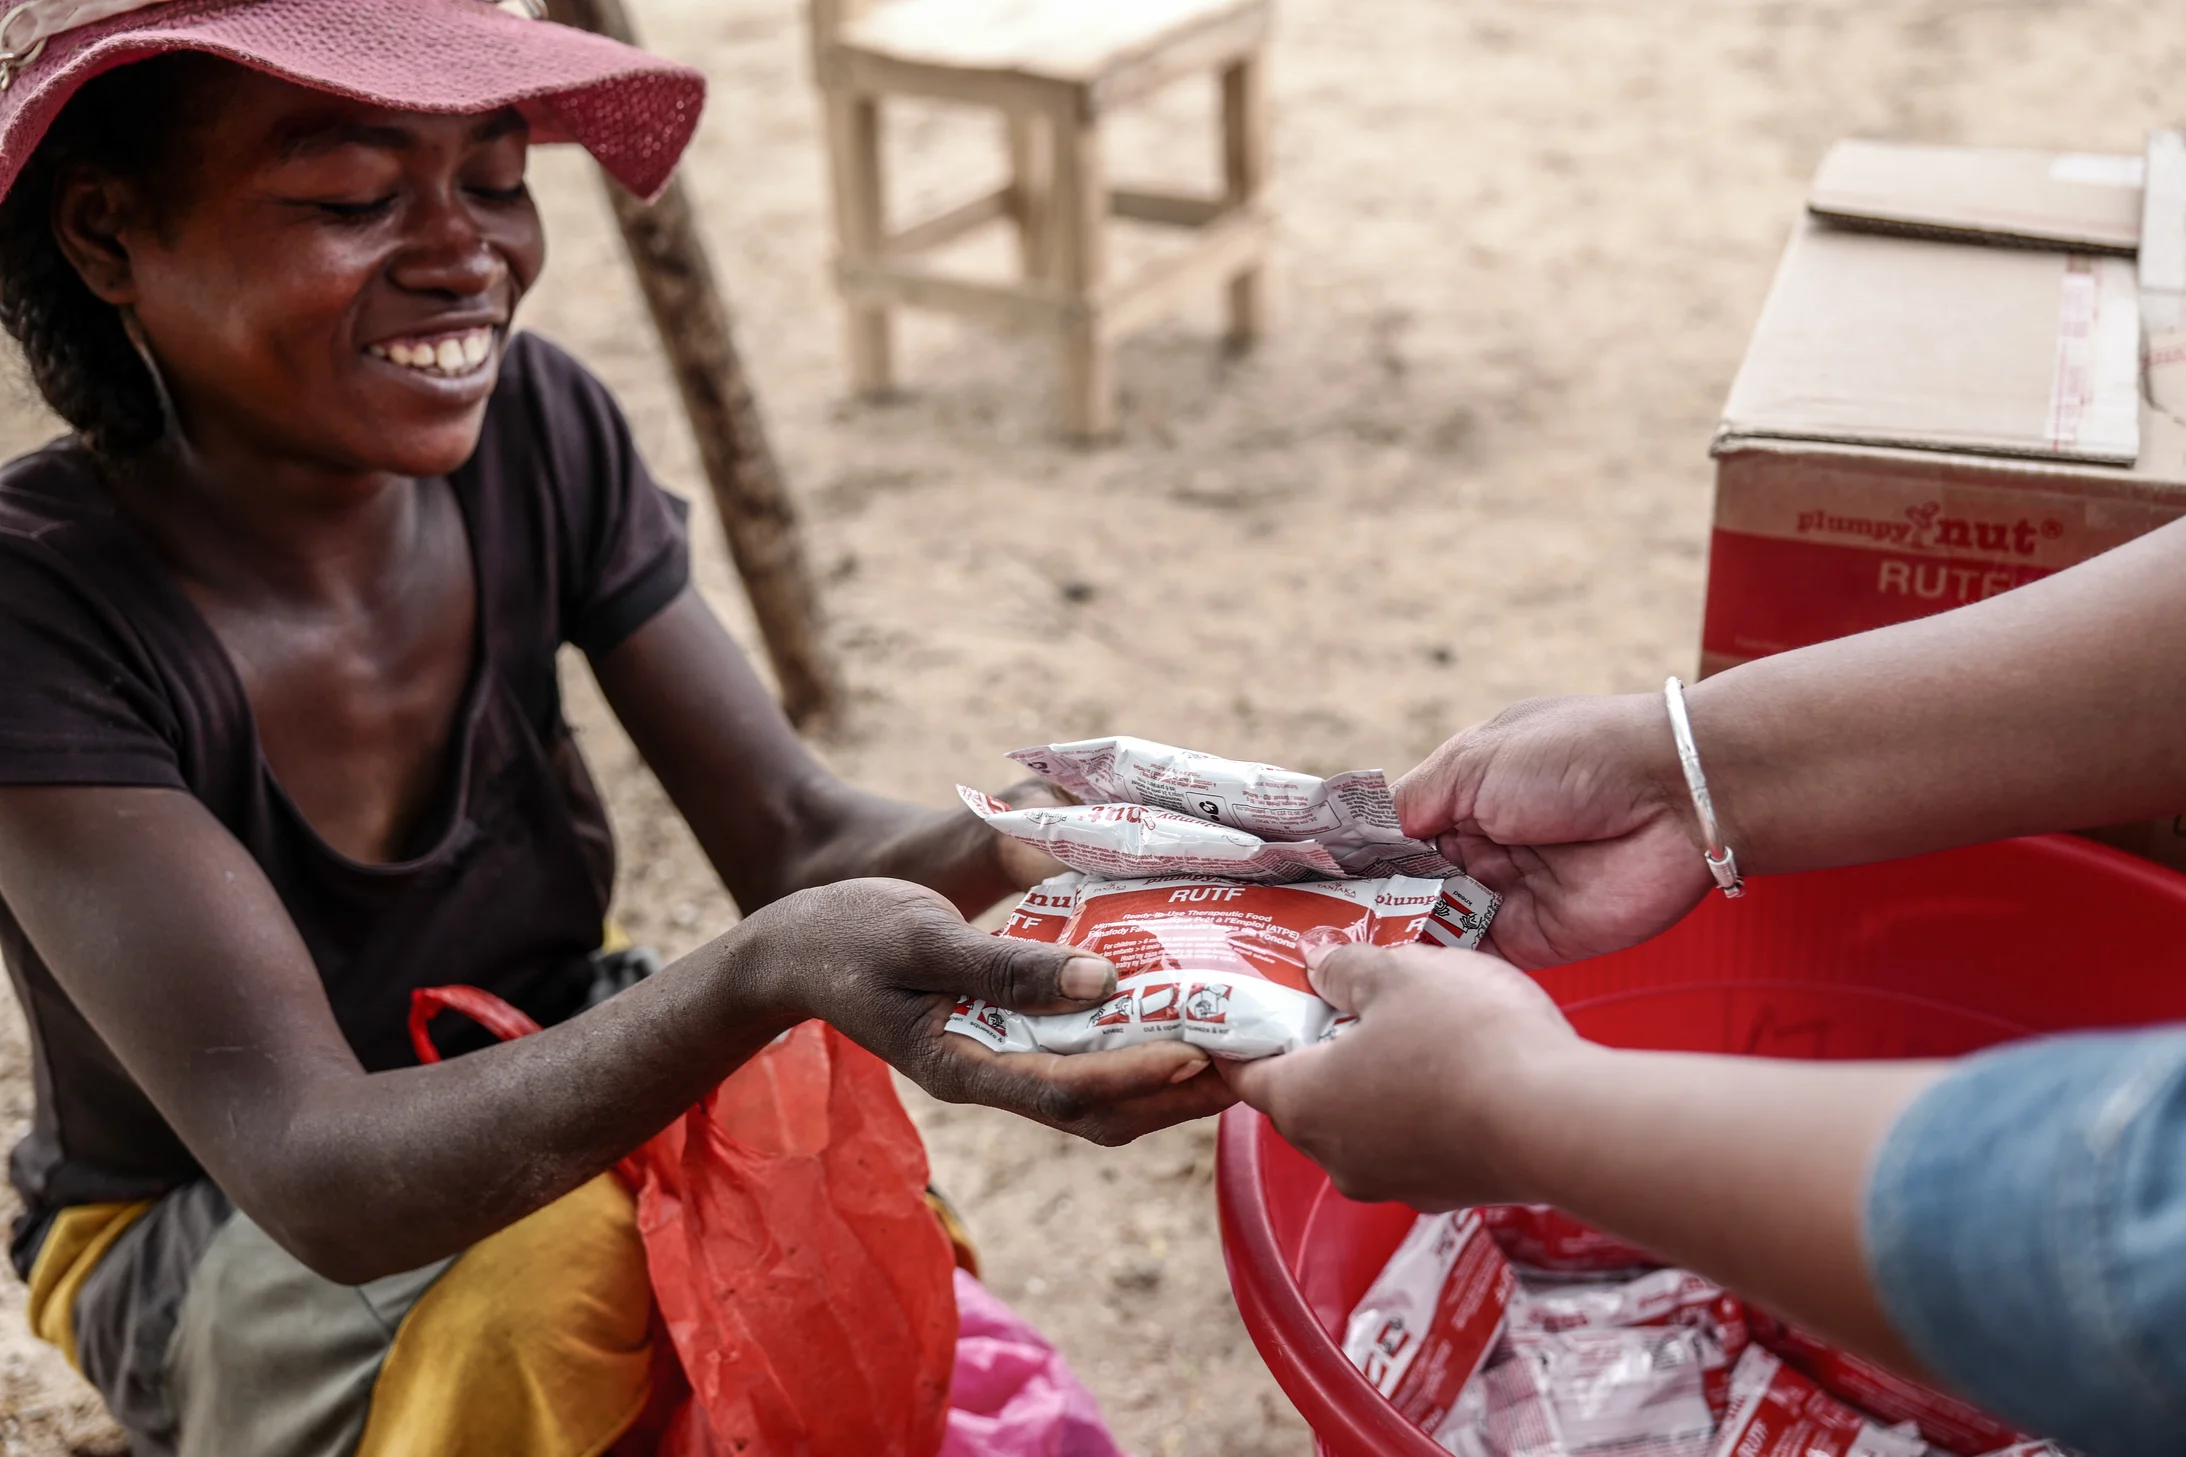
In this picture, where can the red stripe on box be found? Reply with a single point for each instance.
(1768, 595)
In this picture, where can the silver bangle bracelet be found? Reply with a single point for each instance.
(1722, 864)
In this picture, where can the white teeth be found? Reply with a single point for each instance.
(456, 355)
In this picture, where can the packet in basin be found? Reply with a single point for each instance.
(1637, 1391)
(1777, 1412)
(1428, 1323)
(1947, 1421)
(1658, 1298)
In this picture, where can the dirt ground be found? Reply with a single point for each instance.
(1521, 243)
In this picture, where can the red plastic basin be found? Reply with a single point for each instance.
(1915, 958)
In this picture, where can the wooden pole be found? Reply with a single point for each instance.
(757, 515)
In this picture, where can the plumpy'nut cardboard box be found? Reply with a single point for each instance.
(1930, 413)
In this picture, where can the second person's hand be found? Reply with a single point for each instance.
(1461, 1084)
(1575, 811)
(1425, 1098)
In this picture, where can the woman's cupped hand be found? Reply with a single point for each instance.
(886, 962)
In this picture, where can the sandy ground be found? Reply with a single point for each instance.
(1521, 244)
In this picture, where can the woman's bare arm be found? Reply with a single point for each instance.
(166, 935)
(769, 815)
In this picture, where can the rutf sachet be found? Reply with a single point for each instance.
(1206, 881)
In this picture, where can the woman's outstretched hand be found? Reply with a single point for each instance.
(887, 961)
(1575, 811)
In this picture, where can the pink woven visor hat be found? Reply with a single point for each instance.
(632, 111)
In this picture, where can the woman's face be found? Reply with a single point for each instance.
(332, 282)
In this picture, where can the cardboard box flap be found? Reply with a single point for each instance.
(1876, 340)
(2163, 215)
(2080, 200)
(2163, 272)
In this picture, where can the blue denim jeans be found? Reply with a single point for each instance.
(2026, 1226)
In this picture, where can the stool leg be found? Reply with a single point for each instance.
(1032, 186)
(853, 145)
(1089, 383)
(1080, 215)
(1244, 174)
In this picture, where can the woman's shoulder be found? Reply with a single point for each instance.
(84, 644)
(49, 490)
(64, 547)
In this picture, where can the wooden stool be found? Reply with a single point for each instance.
(1053, 68)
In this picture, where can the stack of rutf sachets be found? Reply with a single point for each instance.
(1513, 1330)
(1206, 881)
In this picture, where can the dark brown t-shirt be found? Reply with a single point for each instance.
(108, 675)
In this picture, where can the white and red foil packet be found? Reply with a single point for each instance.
(1427, 1324)
(1777, 1412)
(1139, 840)
(1205, 815)
(1550, 1241)
(1945, 1420)
(1516, 1331)
(1212, 962)
(1658, 1300)
(1206, 892)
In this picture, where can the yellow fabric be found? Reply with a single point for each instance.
(537, 1340)
(952, 1225)
(78, 1240)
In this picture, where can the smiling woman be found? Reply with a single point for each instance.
(282, 741)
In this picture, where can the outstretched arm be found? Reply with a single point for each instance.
(163, 931)
(2053, 707)
(770, 816)
(2009, 1224)
(1462, 1084)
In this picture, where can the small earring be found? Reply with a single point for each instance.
(143, 346)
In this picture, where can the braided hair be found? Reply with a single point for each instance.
(127, 124)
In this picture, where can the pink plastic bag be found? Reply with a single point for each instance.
(1013, 1394)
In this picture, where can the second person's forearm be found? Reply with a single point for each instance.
(1749, 1170)
(2056, 706)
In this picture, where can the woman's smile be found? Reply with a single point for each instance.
(455, 368)
(450, 354)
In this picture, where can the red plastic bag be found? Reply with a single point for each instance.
(804, 1283)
